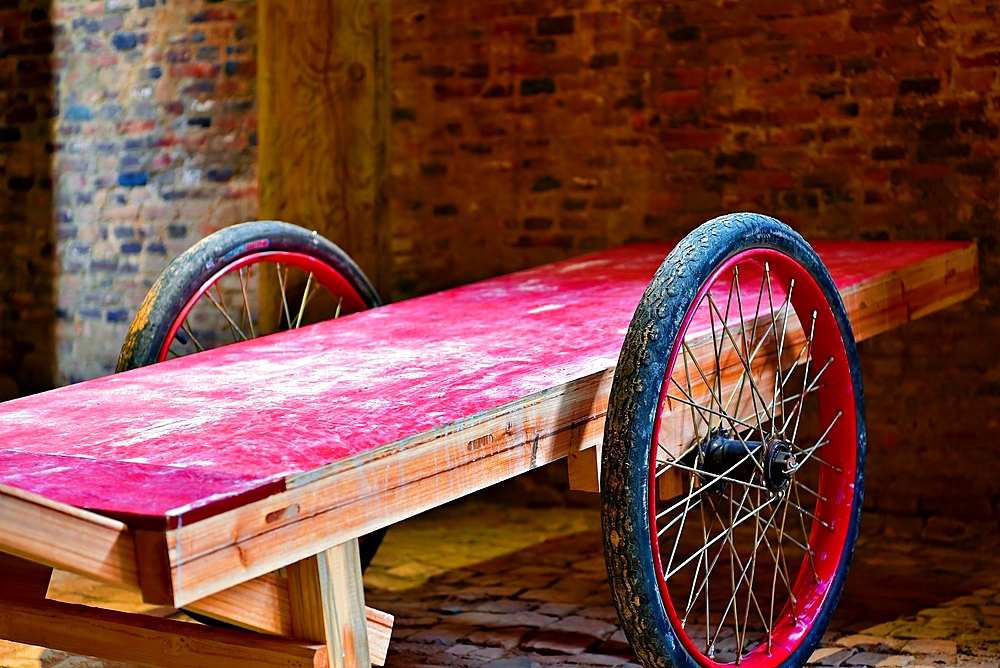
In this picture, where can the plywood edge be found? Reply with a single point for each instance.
(67, 538)
(881, 303)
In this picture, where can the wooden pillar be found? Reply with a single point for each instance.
(324, 114)
(327, 602)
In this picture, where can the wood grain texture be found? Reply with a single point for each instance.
(342, 595)
(324, 113)
(148, 641)
(262, 604)
(66, 538)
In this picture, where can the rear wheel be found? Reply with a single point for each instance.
(243, 282)
(733, 467)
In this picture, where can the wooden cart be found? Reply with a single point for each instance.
(235, 483)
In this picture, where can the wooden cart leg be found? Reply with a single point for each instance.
(327, 602)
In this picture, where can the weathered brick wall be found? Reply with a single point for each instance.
(529, 130)
(127, 133)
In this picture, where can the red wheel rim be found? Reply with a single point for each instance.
(323, 274)
(745, 456)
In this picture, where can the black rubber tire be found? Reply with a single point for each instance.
(633, 404)
(192, 268)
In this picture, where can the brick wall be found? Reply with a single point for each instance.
(530, 130)
(525, 131)
(127, 133)
(27, 245)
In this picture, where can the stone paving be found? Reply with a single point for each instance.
(481, 584)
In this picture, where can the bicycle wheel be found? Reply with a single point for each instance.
(733, 464)
(212, 295)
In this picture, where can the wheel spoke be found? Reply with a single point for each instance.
(720, 536)
(283, 285)
(805, 537)
(235, 328)
(678, 465)
(244, 288)
(820, 442)
(191, 336)
(743, 574)
(302, 304)
(746, 367)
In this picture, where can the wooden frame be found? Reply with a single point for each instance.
(285, 568)
(319, 621)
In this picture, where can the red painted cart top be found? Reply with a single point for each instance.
(189, 437)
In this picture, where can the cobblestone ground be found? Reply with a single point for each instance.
(479, 584)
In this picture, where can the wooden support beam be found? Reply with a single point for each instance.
(149, 641)
(584, 468)
(67, 538)
(327, 602)
(324, 106)
(262, 605)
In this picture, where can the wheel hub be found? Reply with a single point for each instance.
(746, 461)
(779, 464)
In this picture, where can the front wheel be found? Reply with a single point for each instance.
(733, 464)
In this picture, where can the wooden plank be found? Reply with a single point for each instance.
(408, 478)
(342, 595)
(388, 484)
(149, 641)
(324, 105)
(218, 422)
(63, 537)
(262, 605)
(259, 605)
(584, 468)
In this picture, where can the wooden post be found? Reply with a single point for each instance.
(324, 113)
(327, 602)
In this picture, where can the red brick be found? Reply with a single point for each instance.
(810, 25)
(781, 137)
(692, 138)
(640, 59)
(663, 201)
(769, 180)
(978, 81)
(785, 90)
(837, 47)
(601, 20)
(134, 127)
(991, 59)
(793, 115)
(680, 98)
(195, 70)
(919, 173)
(688, 77)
